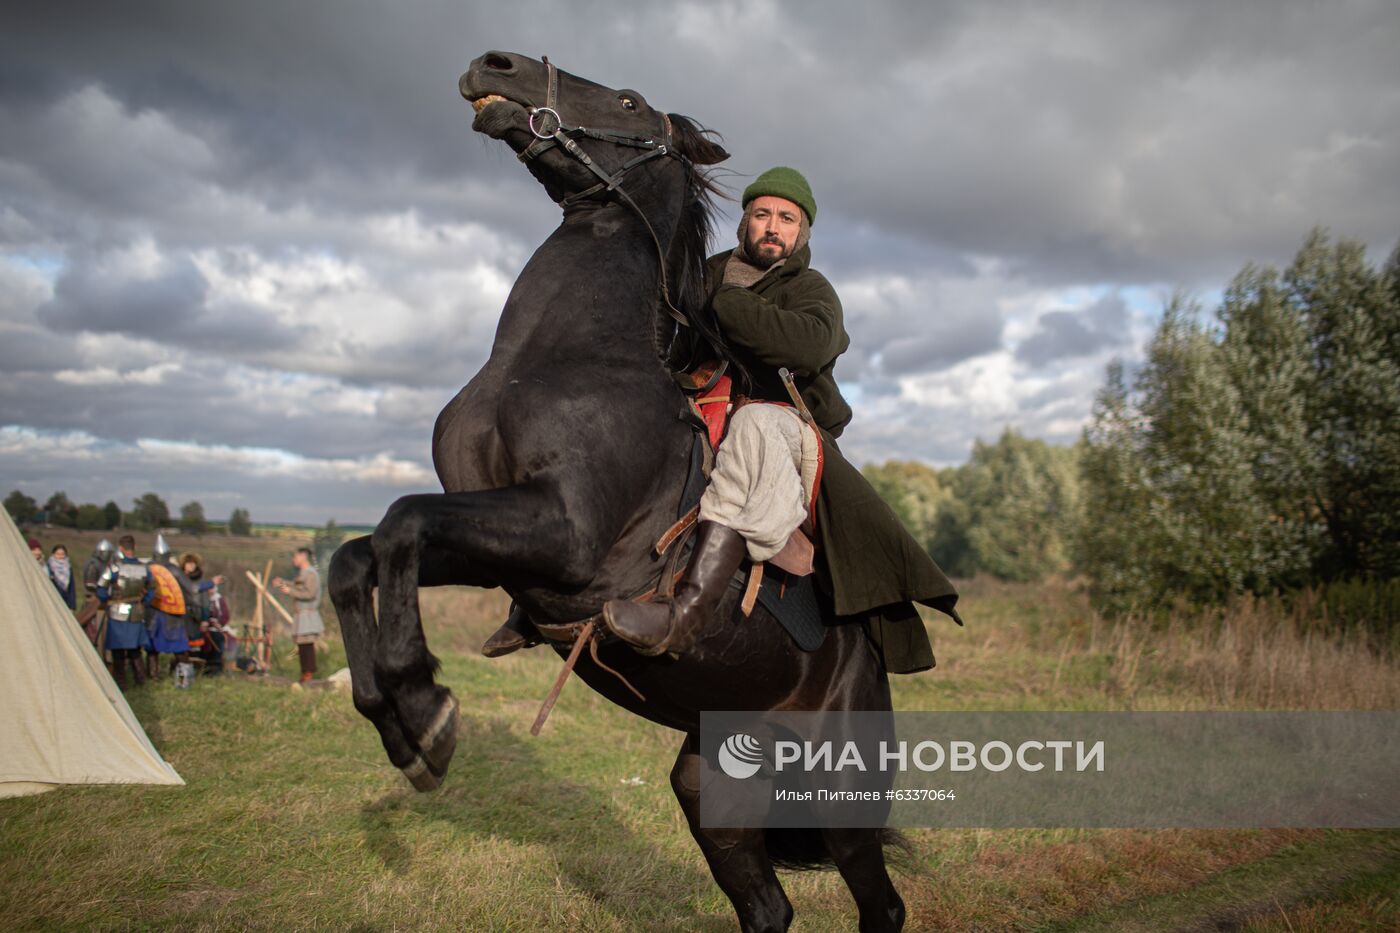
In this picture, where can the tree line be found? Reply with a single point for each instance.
(1255, 450)
(148, 512)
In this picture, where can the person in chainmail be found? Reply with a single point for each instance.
(126, 590)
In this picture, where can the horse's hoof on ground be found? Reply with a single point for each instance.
(421, 776)
(439, 741)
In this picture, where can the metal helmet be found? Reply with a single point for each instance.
(104, 550)
(162, 548)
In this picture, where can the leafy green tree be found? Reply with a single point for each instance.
(913, 491)
(1261, 455)
(20, 507)
(1112, 543)
(111, 515)
(91, 517)
(150, 512)
(1266, 351)
(1206, 542)
(1018, 500)
(325, 541)
(239, 523)
(1352, 313)
(192, 519)
(61, 511)
(950, 544)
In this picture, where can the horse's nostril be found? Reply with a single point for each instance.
(498, 62)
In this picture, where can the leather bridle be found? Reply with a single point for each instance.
(565, 137)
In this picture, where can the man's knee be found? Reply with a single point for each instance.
(766, 419)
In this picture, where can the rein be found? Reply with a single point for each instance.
(565, 137)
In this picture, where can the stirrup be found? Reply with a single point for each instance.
(718, 553)
(515, 633)
(640, 610)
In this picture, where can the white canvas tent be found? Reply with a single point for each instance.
(62, 719)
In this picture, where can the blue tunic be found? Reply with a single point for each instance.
(168, 633)
(122, 635)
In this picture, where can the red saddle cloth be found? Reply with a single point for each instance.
(714, 403)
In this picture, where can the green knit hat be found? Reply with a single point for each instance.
(784, 182)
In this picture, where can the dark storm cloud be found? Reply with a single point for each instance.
(209, 406)
(1082, 332)
(1125, 143)
(901, 325)
(168, 305)
(292, 106)
(932, 352)
(261, 208)
(89, 300)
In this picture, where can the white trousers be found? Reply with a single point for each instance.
(756, 484)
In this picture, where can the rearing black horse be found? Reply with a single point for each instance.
(562, 461)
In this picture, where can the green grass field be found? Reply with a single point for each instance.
(293, 819)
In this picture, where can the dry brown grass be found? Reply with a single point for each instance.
(1251, 654)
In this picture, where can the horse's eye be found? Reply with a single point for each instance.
(627, 103)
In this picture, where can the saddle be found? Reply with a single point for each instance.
(785, 586)
(713, 403)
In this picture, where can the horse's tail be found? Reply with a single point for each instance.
(804, 849)
(798, 848)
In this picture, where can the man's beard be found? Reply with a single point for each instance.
(765, 260)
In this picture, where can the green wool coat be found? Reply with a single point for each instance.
(874, 568)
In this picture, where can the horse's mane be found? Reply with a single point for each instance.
(703, 340)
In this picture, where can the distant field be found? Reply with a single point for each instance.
(293, 819)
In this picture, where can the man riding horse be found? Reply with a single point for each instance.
(567, 520)
(778, 313)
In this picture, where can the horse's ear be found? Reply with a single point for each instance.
(695, 142)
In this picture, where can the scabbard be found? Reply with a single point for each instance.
(793, 394)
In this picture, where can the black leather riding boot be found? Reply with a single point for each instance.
(517, 632)
(119, 669)
(138, 666)
(673, 625)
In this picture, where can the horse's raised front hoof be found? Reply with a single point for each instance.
(421, 776)
(439, 740)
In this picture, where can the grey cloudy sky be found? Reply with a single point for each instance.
(248, 251)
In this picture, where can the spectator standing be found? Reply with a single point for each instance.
(61, 573)
(36, 549)
(306, 591)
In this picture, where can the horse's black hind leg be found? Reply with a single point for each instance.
(737, 858)
(860, 857)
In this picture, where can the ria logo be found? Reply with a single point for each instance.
(740, 756)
